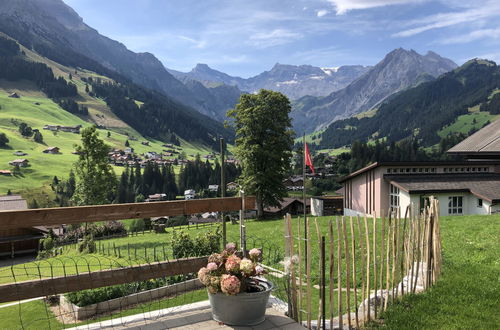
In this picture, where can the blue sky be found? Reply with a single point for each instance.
(244, 38)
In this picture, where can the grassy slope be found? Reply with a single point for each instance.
(467, 295)
(45, 166)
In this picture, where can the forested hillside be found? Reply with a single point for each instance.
(424, 111)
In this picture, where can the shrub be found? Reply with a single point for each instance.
(137, 225)
(87, 245)
(203, 244)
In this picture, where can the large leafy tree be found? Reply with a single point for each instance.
(264, 142)
(96, 180)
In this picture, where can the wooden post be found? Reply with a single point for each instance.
(375, 262)
(308, 271)
(348, 273)
(367, 236)
(387, 259)
(323, 282)
(292, 268)
(363, 266)
(299, 249)
(332, 268)
(339, 272)
(320, 291)
(223, 188)
(354, 284)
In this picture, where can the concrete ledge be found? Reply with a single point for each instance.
(82, 313)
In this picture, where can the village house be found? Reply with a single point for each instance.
(156, 198)
(71, 129)
(20, 162)
(462, 187)
(14, 96)
(294, 183)
(145, 143)
(51, 150)
(326, 205)
(231, 186)
(289, 205)
(20, 153)
(189, 194)
(19, 240)
(5, 172)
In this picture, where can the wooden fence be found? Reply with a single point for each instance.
(346, 271)
(95, 279)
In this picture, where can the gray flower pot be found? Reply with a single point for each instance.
(243, 309)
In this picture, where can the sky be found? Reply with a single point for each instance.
(246, 37)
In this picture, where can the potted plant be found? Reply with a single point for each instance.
(237, 292)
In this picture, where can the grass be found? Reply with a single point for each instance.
(37, 315)
(464, 123)
(467, 295)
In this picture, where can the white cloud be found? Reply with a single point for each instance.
(343, 6)
(436, 21)
(472, 36)
(322, 12)
(275, 37)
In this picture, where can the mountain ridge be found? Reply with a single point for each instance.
(400, 69)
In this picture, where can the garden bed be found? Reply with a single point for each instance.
(89, 311)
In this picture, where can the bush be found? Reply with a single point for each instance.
(87, 245)
(137, 225)
(204, 244)
(110, 228)
(93, 296)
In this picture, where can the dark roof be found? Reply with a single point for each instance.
(285, 203)
(486, 186)
(421, 163)
(486, 141)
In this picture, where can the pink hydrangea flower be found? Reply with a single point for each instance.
(233, 263)
(230, 247)
(246, 266)
(259, 270)
(214, 285)
(254, 253)
(230, 284)
(212, 266)
(203, 276)
(216, 258)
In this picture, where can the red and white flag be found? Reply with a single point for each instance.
(307, 157)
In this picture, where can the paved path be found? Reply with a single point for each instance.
(195, 316)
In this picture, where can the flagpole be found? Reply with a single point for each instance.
(304, 193)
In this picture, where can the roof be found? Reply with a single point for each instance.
(285, 203)
(12, 203)
(486, 186)
(486, 141)
(421, 163)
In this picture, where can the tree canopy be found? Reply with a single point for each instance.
(96, 180)
(264, 142)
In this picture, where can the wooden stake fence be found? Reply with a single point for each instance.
(368, 254)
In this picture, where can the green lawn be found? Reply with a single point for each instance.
(468, 294)
(465, 297)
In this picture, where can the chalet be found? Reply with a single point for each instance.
(213, 187)
(20, 153)
(14, 95)
(145, 143)
(71, 129)
(133, 138)
(51, 150)
(196, 220)
(152, 155)
(19, 162)
(5, 172)
(288, 205)
(189, 194)
(19, 240)
(326, 205)
(294, 183)
(156, 198)
(129, 150)
(231, 186)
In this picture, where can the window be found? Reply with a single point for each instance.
(388, 170)
(455, 205)
(394, 197)
(479, 202)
